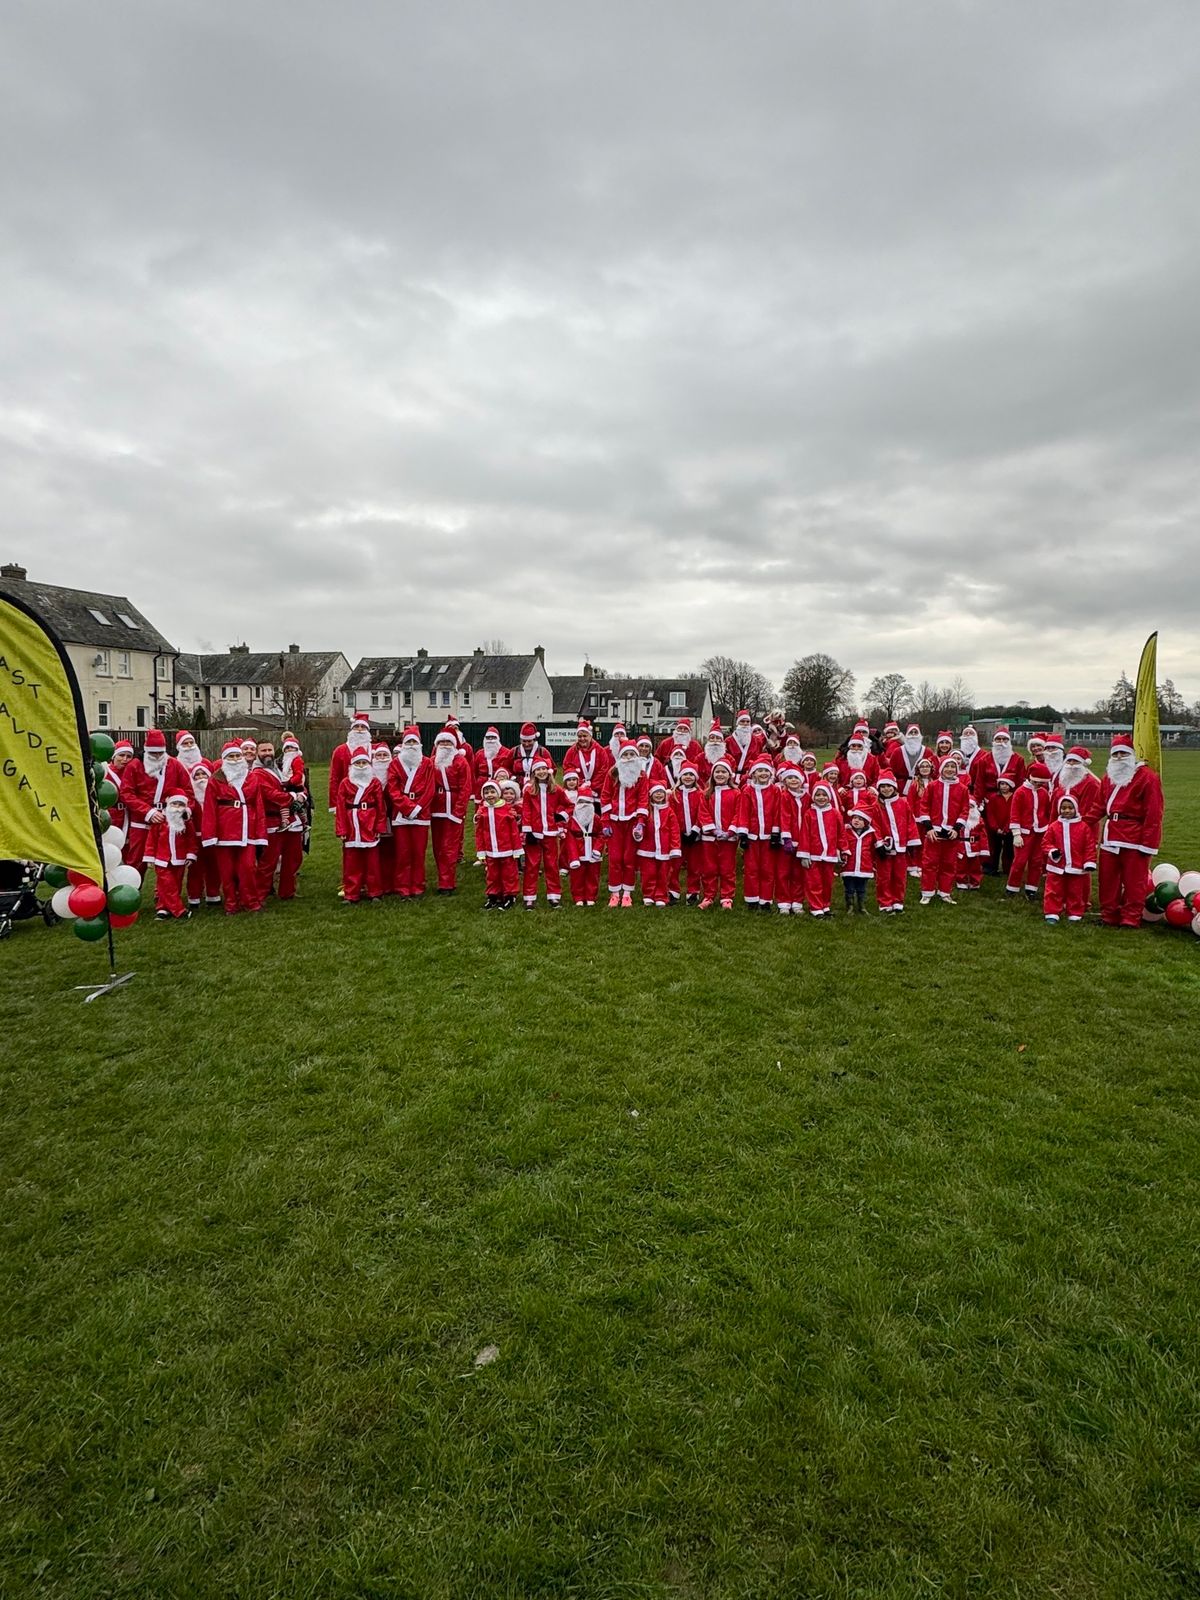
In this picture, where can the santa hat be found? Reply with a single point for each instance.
(1080, 752)
(1040, 770)
(914, 727)
(618, 730)
(724, 763)
(586, 792)
(948, 764)
(360, 719)
(528, 731)
(689, 766)
(808, 755)
(969, 729)
(1010, 783)
(855, 738)
(627, 747)
(452, 721)
(541, 764)
(410, 734)
(156, 739)
(509, 783)
(361, 755)
(644, 738)
(761, 764)
(231, 748)
(861, 726)
(944, 734)
(1038, 738)
(1055, 739)
(715, 730)
(1002, 733)
(381, 749)
(180, 736)
(122, 744)
(886, 775)
(742, 714)
(1122, 741)
(685, 723)
(830, 770)
(860, 778)
(1067, 800)
(290, 742)
(823, 788)
(583, 726)
(859, 812)
(177, 796)
(788, 771)
(489, 783)
(445, 734)
(891, 727)
(658, 787)
(570, 776)
(492, 733)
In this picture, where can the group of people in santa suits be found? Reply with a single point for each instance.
(677, 817)
(223, 834)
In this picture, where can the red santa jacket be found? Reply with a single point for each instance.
(1030, 809)
(858, 852)
(948, 803)
(723, 811)
(485, 767)
(997, 810)
(661, 841)
(1087, 796)
(870, 766)
(410, 794)
(1132, 815)
(620, 804)
(791, 814)
(692, 750)
(1070, 846)
(582, 841)
(339, 769)
(850, 799)
(593, 766)
(693, 810)
(821, 834)
(451, 789)
(497, 832)
(232, 816)
(758, 811)
(119, 812)
(167, 849)
(543, 810)
(141, 793)
(277, 802)
(520, 762)
(897, 827)
(985, 774)
(904, 767)
(361, 814)
(742, 757)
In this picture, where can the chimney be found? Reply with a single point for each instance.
(587, 672)
(478, 652)
(12, 569)
(422, 654)
(540, 653)
(293, 649)
(239, 649)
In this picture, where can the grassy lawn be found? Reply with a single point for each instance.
(842, 1260)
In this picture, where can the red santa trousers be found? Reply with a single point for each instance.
(291, 858)
(168, 885)
(1026, 870)
(789, 880)
(721, 882)
(1069, 891)
(818, 885)
(501, 875)
(387, 863)
(891, 880)
(238, 867)
(938, 857)
(541, 857)
(654, 881)
(971, 871)
(410, 860)
(622, 858)
(135, 846)
(447, 851)
(758, 873)
(694, 861)
(1124, 885)
(360, 872)
(584, 883)
(204, 877)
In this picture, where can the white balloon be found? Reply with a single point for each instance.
(58, 903)
(129, 875)
(115, 836)
(1196, 925)
(1189, 883)
(1164, 872)
(112, 856)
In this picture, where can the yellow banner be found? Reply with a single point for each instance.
(1147, 745)
(45, 800)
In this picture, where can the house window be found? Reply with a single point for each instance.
(445, 697)
(102, 664)
(160, 668)
(143, 716)
(100, 617)
(507, 698)
(257, 691)
(103, 713)
(123, 667)
(224, 692)
(128, 621)
(647, 708)
(348, 698)
(433, 697)
(387, 702)
(466, 697)
(492, 698)
(233, 693)
(678, 699)
(407, 698)
(615, 709)
(374, 702)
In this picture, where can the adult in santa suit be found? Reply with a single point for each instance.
(968, 751)
(361, 813)
(146, 785)
(1077, 779)
(277, 811)
(651, 765)
(791, 754)
(1001, 758)
(743, 745)
(451, 792)
(203, 878)
(294, 778)
(489, 760)
(410, 796)
(903, 759)
(682, 739)
(948, 803)
(1130, 834)
(381, 769)
(358, 738)
(1053, 756)
(615, 740)
(234, 826)
(464, 749)
(859, 757)
(591, 761)
(115, 770)
(890, 738)
(624, 806)
(526, 752)
(715, 749)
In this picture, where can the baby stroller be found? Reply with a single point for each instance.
(18, 895)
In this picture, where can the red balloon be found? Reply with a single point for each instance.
(87, 900)
(1178, 914)
(74, 876)
(116, 920)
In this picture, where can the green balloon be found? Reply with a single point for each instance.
(56, 877)
(124, 899)
(102, 747)
(1165, 893)
(99, 771)
(108, 794)
(89, 929)
(105, 820)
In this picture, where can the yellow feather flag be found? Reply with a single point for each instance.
(1147, 745)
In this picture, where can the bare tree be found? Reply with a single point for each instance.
(494, 647)
(298, 693)
(737, 686)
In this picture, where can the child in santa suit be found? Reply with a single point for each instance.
(410, 795)
(917, 791)
(498, 844)
(660, 845)
(997, 816)
(1028, 821)
(489, 761)
(948, 802)
(451, 791)
(859, 757)
(624, 804)
(694, 815)
(543, 812)
(858, 858)
(743, 745)
(234, 825)
(1070, 851)
(381, 766)
(758, 833)
(170, 849)
(582, 845)
(358, 738)
(808, 771)
(975, 847)
(820, 848)
(859, 795)
(789, 869)
(361, 813)
(722, 837)
(145, 785)
(1130, 833)
(898, 843)
(203, 877)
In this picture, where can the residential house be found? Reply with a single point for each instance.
(425, 689)
(644, 703)
(243, 684)
(125, 666)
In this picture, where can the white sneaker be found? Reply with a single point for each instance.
(926, 897)
(948, 898)
(1050, 917)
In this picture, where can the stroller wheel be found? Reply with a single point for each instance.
(5, 927)
(49, 916)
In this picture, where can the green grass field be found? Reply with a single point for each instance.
(842, 1260)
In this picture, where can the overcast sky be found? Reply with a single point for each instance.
(639, 330)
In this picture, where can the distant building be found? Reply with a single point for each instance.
(425, 689)
(647, 702)
(1102, 732)
(242, 683)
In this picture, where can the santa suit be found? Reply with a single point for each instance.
(521, 761)
(658, 849)
(722, 842)
(741, 756)
(204, 876)
(118, 812)
(899, 834)
(948, 803)
(674, 764)
(1086, 793)
(691, 749)
(593, 764)
(293, 776)
(986, 773)
(821, 835)
(498, 842)
(758, 827)
(903, 764)
(339, 766)
(870, 767)
(1070, 850)
(451, 791)
(916, 794)
(487, 766)
(789, 869)
(277, 809)
(1130, 833)
(860, 799)
(234, 826)
(170, 854)
(694, 814)
(361, 814)
(582, 853)
(706, 761)
(858, 850)
(542, 817)
(410, 795)
(1031, 814)
(143, 794)
(975, 849)
(623, 810)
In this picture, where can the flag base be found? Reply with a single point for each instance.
(104, 988)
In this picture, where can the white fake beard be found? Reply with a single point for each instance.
(1054, 760)
(856, 760)
(1000, 753)
(1120, 769)
(234, 771)
(154, 762)
(628, 772)
(190, 756)
(1071, 774)
(176, 821)
(356, 740)
(380, 768)
(410, 758)
(491, 747)
(714, 752)
(912, 744)
(681, 741)
(443, 755)
(742, 735)
(200, 789)
(792, 753)
(968, 745)
(585, 810)
(360, 779)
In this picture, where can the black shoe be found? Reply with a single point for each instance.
(162, 916)
(693, 899)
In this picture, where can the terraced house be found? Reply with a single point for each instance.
(425, 689)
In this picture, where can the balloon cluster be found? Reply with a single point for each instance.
(92, 908)
(1174, 899)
